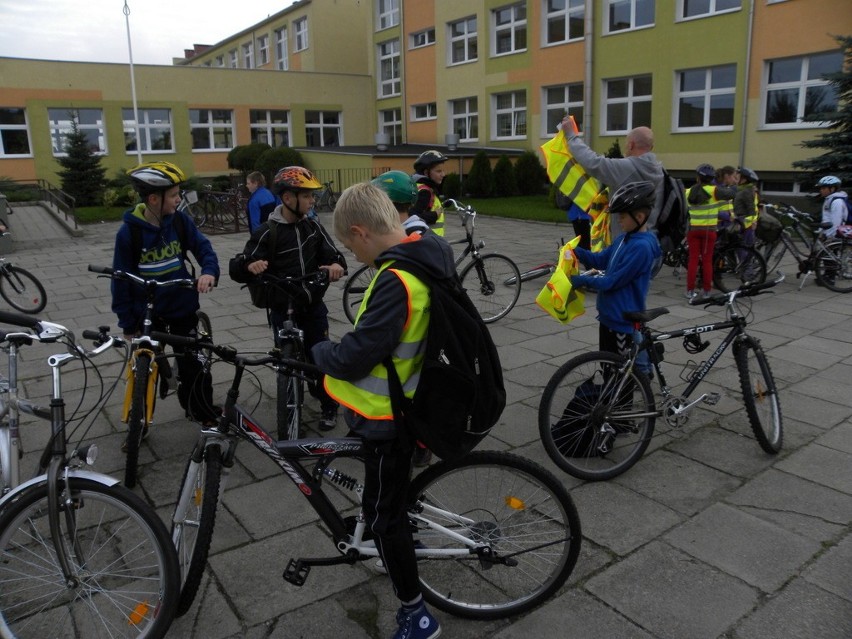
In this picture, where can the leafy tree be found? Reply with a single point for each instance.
(505, 184)
(530, 175)
(614, 150)
(480, 180)
(271, 160)
(82, 175)
(837, 138)
(451, 186)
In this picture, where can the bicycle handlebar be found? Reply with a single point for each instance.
(141, 281)
(746, 290)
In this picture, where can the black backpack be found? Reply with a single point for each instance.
(672, 223)
(258, 290)
(460, 395)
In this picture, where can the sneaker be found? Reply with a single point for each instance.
(416, 624)
(690, 295)
(328, 421)
(422, 456)
(144, 437)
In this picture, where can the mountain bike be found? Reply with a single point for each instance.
(149, 372)
(20, 288)
(325, 200)
(492, 280)
(597, 412)
(495, 534)
(829, 260)
(80, 555)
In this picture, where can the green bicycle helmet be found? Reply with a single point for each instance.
(398, 186)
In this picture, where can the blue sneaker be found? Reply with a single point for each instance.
(416, 624)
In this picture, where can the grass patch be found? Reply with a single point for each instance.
(92, 214)
(522, 207)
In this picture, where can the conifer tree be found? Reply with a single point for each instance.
(82, 175)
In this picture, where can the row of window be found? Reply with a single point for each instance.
(246, 57)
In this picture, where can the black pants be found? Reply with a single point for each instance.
(583, 229)
(387, 466)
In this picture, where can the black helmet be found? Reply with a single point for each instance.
(749, 175)
(428, 159)
(632, 196)
(706, 170)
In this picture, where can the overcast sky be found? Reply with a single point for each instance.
(96, 30)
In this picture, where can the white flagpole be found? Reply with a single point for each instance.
(133, 86)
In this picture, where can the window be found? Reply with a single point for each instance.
(155, 130)
(390, 122)
(387, 14)
(462, 41)
(90, 122)
(271, 127)
(14, 134)
(559, 100)
(232, 59)
(212, 129)
(220, 61)
(629, 14)
(510, 115)
(700, 8)
(422, 38)
(564, 20)
(795, 89)
(300, 32)
(322, 128)
(464, 119)
(781, 188)
(427, 111)
(627, 104)
(282, 61)
(262, 50)
(509, 29)
(705, 98)
(389, 83)
(248, 55)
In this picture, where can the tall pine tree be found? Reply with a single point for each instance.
(82, 175)
(837, 138)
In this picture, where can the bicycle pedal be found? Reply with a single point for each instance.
(296, 572)
(712, 399)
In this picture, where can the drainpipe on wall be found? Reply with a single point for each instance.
(749, 37)
(587, 74)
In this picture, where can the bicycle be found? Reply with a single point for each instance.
(149, 372)
(597, 413)
(80, 555)
(496, 534)
(325, 200)
(830, 260)
(492, 280)
(20, 288)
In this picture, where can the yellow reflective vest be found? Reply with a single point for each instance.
(751, 220)
(436, 206)
(567, 175)
(370, 395)
(705, 216)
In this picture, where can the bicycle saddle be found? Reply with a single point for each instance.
(644, 316)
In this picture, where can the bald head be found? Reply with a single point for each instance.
(640, 140)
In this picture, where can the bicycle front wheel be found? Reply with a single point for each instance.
(289, 401)
(521, 518)
(205, 330)
(596, 422)
(834, 267)
(493, 283)
(354, 290)
(137, 421)
(760, 395)
(22, 290)
(737, 265)
(125, 580)
(194, 519)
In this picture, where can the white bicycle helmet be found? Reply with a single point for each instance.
(829, 180)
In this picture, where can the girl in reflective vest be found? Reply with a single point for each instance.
(429, 174)
(705, 206)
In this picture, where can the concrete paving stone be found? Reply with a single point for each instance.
(787, 331)
(662, 588)
(815, 359)
(821, 345)
(508, 334)
(677, 482)
(811, 410)
(831, 570)
(210, 617)
(723, 450)
(832, 390)
(838, 438)
(535, 375)
(823, 465)
(801, 611)
(517, 426)
(758, 552)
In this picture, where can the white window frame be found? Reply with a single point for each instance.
(712, 9)
(390, 122)
(420, 39)
(558, 109)
(265, 128)
(467, 40)
(262, 50)
(633, 26)
(797, 189)
(570, 9)
(631, 100)
(424, 112)
(148, 123)
(464, 118)
(217, 122)
(389, 63)
(322, 127)
(233, 59)
(300, 34)
(60, 128)
(514, 26)
(13, 129)
(387, 14)
(801, 87)
(282, 53)
(248, 55)
(220, 61)
(516, 111)
(706, 94)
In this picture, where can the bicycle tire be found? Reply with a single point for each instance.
(137, 419)
(522, 507)
(289, 400)
(834, 267)
(760, 395)
(575, 424)
(194, 519)
(127, 586)
(736, 265)
(332, 201)
(22, 290)
(354, 289)
(205, 330)
(487, 287)
(773, 253)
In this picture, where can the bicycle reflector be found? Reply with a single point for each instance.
(515, 503)
(693, 344)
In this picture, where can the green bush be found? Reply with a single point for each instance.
(119, 196)
(530, 174)
(271, 160)
(451, 186)
(244, 158)
(17, 192)
(505, 184)
(480, 180)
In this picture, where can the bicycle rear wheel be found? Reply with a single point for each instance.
(354, 289)
(773, 253)
(22, 290)
(518, 509)
(493, 283)
(125, 572)
(736, 265)
(834, 267)
(594, 422)
(760, 395)
(137, 421)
